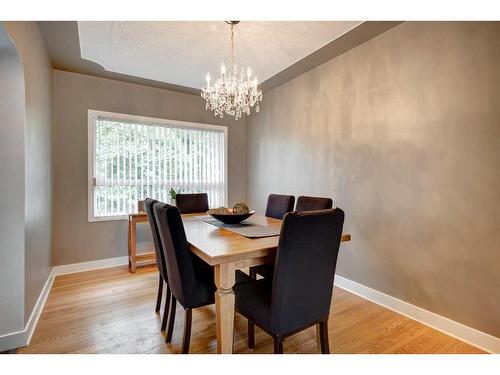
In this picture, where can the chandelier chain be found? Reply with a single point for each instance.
(232, 44)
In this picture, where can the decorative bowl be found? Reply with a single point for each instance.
(230, 217)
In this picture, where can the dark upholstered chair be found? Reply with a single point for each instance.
(313, 203)
(303, 204)
(191, 280)
(160, 261)
(192, 203)
(286, 304)
(278, 205)
(191, 286)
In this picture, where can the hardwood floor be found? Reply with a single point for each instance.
(112, 311)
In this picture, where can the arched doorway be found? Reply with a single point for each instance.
(12, 187)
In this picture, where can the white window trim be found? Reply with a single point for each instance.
(91, 117)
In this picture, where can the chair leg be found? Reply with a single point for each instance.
(251, 334)
(278, 345)
(167, 310)
(158, 298)
(253, 274)
(171, 320)
(325, 345)
(186, 338)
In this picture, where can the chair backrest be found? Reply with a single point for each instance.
(160, 256)
(192, 203)
(313, 203)
(278, 205)
(305, 268)
(181, 278)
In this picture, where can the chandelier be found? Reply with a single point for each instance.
(235, 92)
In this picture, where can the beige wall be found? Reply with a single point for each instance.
(38, 159)
(404, 133)
(75, 239)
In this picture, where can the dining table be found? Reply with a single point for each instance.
(228, 252)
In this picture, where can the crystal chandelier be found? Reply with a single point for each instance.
(235, 92)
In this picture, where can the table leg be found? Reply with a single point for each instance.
(224, 307)
(129, 242)
(318, 337)
(133, 249)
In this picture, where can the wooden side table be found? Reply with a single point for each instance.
(135, 260)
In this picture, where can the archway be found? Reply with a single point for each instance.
(12, 177)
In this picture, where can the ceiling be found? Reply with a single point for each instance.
(183, 52)
(177, 55)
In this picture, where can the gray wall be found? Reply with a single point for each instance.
(38, 160)
(404, 133)
(11, 190)
(75, 239)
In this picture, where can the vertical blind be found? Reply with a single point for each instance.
(134, 161)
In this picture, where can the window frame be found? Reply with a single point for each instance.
(92, 115)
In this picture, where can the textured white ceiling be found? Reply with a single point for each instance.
(183, 52)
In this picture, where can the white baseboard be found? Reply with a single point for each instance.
(12, 340)
(89, 266)
(450, 327)
(38, 308)
(22, 338)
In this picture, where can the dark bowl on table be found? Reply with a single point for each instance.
(231, 218)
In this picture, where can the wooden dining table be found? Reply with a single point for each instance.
(228, 251)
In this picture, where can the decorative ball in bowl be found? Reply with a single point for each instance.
(235, 215)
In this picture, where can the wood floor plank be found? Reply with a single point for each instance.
(112, 311)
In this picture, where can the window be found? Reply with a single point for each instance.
(132, 158)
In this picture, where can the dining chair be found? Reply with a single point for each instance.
(277, 206)
(191, 285)
(160, 262)
(305, 203)
(192, 203)
(288, 304)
